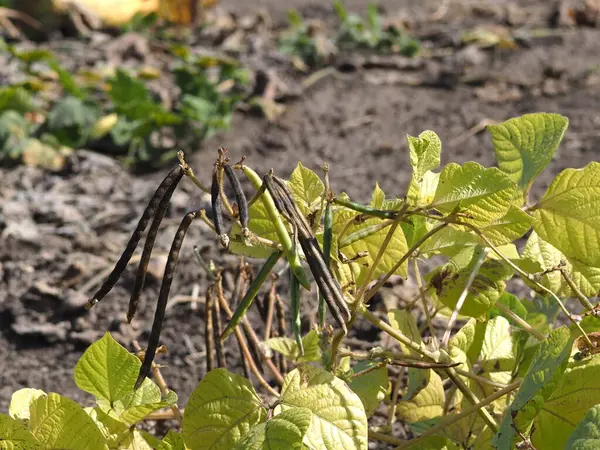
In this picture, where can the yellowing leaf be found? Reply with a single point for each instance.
(307, 188)
(284, 431)
(427, 404)
(14, 435)
(20, 402)
(403, 321)
(338, 420)
(526, 144)
(221, 410)
(497, 356)
(289, 348)
(422, 194)
(107, 370)
(424, 153)
(568, 216)
(59, 422)
(584, 277)
(484, 194)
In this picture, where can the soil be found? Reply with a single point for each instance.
(61, 230)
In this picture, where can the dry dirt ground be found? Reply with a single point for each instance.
(60, 231)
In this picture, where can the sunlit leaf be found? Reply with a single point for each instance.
(568, 216)
(483, 194)
(15, 436)
(307, 188)
(221, 410)
(20, 402)
(338, 419)
(427, 404)
(285, 431)
(59, 422)
(289, 348)
(526, 144)
(587, 434)
(371, 387)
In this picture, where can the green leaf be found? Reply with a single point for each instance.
(526, 144)
(17, 99)
(113, 430)
(71, 119)
(59, 422)
(21, 401)
(14, 435)
(424, 153)
(508, 228)
(221, 410)
(284, 431)
(577, 391)
(172, 441)
(338, 420)
(435, 442)
(107, 370)
(489, 283)
(513, 303)
(307, 188)
(289, 348)
(539, 383)
(587, 434)
(371, 387)
(584, 277)
(568, 216)
(427, 404)
(497, 355)
(484, 194)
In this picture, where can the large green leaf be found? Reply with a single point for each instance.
(526, 144)
(107, 370)
(587, 434)
(307, 188)
(338, 419)
(451, 279)
(542, 378)
(484, 194)
(135, 413)
(284, 431)
(449, 241)
(568, 216)
(469, 339)
(172, 441)
(14, 435)
(584, 277)
(371, 387)
(221, 410)
(577, 392)
(59, 423)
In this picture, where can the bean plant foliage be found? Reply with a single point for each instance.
(486, 369)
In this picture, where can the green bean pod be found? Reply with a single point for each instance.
(367, 210)
(327, 238)
(246, 302)
(284, 238)
(363, 233)
(296, 320)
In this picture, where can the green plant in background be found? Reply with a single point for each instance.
(370, 33)
(40, 126)
(510, 376)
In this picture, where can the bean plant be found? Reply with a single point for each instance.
(483, 369)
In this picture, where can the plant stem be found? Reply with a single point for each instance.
(582, 298)
(449, 420)
(368, 211)
(189, 172)
(371, 292)
(520, 322)
(419, 280)
(386, 438)
(480, 379)
(463, 295)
